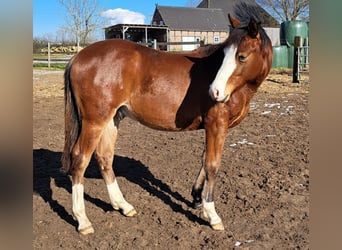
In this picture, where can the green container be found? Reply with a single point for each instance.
(280, 57)
(290, 29)
(290, 54)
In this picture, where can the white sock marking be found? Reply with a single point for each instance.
(117, 199)
(226, 70)
(78, 207)
(210, 213)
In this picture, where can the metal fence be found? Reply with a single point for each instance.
(166, 45)
(301, 63)
(52, 53)
(303, 58)
(300, 59)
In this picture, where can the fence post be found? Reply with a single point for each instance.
(155, 43)
(49, 55)
(297, 44)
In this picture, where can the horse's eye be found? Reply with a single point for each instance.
(242, 58)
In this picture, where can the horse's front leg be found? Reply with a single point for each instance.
(216, 126)
(197, 188)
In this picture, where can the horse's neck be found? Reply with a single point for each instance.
(238, 105)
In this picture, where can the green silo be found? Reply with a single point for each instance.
(290, 29)
(280, 57)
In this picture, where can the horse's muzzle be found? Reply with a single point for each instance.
(217, 98)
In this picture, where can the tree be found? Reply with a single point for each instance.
(286, 10)
(193, 3)
(82, 18)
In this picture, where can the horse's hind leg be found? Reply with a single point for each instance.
(104, 154)
(81, 154)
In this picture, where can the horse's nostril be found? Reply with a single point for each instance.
(214, 93)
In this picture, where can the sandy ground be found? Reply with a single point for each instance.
(262, 191)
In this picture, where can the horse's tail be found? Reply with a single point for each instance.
(72, 121)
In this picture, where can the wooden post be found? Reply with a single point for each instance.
(124, 29)
(168, 39)
(49, 55)
(155, 43)
(297, 44)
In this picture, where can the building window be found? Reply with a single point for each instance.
(216, 39)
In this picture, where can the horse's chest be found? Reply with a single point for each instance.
(238, 109)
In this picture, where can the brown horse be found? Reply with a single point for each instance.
(209, 88)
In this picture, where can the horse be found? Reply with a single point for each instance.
(209, 88)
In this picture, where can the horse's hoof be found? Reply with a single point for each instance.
(131, 213)
(87, 230)
(116, 208)
(218, 227)
(197, 204)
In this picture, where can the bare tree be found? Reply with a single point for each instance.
(193, 3)
(287, 10)
(82, 18)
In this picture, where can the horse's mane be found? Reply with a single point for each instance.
(208, 49)
(244, 12)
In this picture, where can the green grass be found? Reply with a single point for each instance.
(52, 65)
(53, 55)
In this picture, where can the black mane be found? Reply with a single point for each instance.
(244, 12)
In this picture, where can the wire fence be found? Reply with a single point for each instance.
(58, 53)
(54, 53)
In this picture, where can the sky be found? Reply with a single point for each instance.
(49, 15)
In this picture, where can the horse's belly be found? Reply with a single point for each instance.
(164, 122)
(165, 116)
(154, 121)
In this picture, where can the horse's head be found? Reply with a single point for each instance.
(247, 60)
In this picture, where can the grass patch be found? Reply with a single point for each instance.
(281, 71)
(52, 65)
(52, 56)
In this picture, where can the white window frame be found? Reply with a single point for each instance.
(216, 39)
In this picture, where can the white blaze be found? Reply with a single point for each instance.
(227, 68)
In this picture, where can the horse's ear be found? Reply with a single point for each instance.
(233, 22)
(253, 28)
